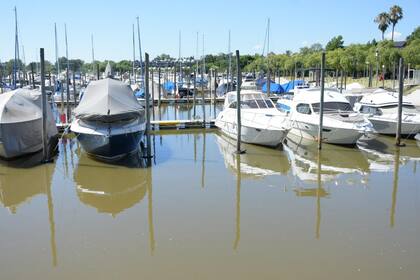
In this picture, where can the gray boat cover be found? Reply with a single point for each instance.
(108, 100)
(21, 122)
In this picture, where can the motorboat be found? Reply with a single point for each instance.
(225, 85)
(21, 123)
(341, 125)
(414, 98)
(261, 122)
(381, 108)
(109, 121)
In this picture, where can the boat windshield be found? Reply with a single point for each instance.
(253, 101)
(331, 107)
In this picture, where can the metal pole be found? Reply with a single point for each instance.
(134, 57)
(44, 109)
(214, 93)
(32, 76)
(74, 87)
(383, 76)
(238, 105)
(203, 100)
(141, 59)
(195, 92)
(321, 103)
(147, 96)
(400, 100)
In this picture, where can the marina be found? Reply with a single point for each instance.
(127, 152)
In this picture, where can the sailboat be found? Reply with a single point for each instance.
(109, 122)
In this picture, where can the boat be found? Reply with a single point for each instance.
(109, 122)
(341, 125)
(261, 122)
(225, 85)
(21, 123)
(414, 98)
(381, 108)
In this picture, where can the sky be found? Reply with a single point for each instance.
(294, 24)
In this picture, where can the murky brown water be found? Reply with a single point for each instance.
(199, 213)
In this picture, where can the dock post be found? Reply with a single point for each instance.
(341, 80)
(97, 71)
(32, 76)
(46, 156)
(68, 95)
(321, 103)
(147, 97)
(214, 93)
(175, 87)
(159, 89)
(203, 100)
(238, 106)
(400, 100)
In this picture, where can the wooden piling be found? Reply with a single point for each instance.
(321, 103)
(32, 76)
(153, 95)
(400, 100)
(160, 87)
(74, 88)
(370, 75)
(46, 156)
(195, 92)
(214, 93)
(147, 109)
(238, 105)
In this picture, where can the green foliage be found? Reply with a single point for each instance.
(414, 35)
(335, 43)
(383, 22)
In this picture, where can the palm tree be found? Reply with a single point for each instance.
(383, 22)
(395, 14)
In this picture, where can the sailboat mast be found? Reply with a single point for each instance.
(229, 75)
(179, 56)
(93, 54)
(67, 50)
(134, 56)
(56, 52)
(16, 61)
(196, 57)
(203, 63)
(141, 59)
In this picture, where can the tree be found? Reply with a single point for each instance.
(383, 21)
(395, 15)
(414, 35)
(335, 43)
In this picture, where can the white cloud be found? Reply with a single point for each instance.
(397, 35)
(257, 47)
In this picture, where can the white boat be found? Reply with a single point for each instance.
(414, 98)
(381, 108)
(261, 122)
(21, 123)
(109, 122)
(341, 125)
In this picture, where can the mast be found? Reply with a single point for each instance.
(141, 59)
(16, 61)
(56, 52)
(93, 54)
(67, 51)
(179, 57)
(229, 74)
(134, 56)
(203, 63)
(196, 57)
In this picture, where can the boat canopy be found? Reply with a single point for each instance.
(108, 100)
(274, 88)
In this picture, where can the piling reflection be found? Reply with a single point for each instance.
(257, 162)
(238, 202)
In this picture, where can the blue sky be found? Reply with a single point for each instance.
(293, 24)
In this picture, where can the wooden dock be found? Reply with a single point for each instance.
(166, 125)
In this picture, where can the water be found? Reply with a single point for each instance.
(200, 213)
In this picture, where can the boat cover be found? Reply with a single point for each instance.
(108, 100)
(21, 122)
(274, 88)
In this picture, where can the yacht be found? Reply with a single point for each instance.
(109, 121)
(381, 108)
(341, 125)
(261, 122)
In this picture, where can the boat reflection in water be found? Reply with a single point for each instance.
(24, 178)
(334, 160)
(111, 188)
(381, 152)
(257, 162)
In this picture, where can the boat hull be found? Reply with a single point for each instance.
(389, 127)
(331, 135)
(112, 147)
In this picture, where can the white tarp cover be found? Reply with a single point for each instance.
(21, 122)
(108, 100)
